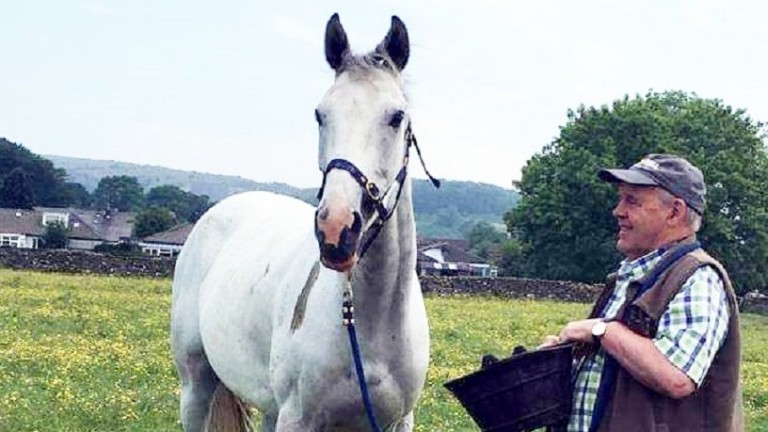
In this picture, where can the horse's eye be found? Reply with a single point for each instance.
(319, 118)
(396, 119)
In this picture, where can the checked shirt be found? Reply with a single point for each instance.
(690, 331)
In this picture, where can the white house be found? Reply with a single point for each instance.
(166, 243)
(18, 228)
(87, 228)
(449, 257)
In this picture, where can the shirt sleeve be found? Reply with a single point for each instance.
(694, 326)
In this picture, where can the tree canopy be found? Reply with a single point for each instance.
(119, 192)
(563, 222)
(487, 241)
(184, 205)
(46, 182)
(16, 190)
(55, 236)
(81, 198)
(153, 220)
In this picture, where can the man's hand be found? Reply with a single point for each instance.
(549, 340)
(574, 331)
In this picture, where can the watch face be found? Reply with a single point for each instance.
(598, 330)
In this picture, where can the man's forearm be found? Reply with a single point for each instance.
(640, 357)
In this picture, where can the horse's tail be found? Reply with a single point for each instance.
(227, 413)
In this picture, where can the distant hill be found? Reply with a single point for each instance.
(448, 212)
(88, 172)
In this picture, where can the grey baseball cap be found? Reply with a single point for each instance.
(673, 173)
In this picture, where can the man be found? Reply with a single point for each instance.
(663, 338)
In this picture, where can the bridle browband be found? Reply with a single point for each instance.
(373, 198)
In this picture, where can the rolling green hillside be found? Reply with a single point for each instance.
(88, 172)
(448, 212)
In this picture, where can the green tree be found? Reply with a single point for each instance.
(486, 241)
(119, 192)
(81, 198)
(185, 205)
(153, 220)
(17, 191)
(563, 222)
(47, 182)
(198, 205)
(56, 235)
(511, 263)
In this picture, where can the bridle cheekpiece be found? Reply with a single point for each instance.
(373, 198)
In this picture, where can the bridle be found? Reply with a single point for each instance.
(373, 198)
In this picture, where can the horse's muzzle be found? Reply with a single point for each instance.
(338, 234)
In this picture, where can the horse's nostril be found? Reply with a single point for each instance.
(335, 254)
(357, 223)
(323, 213)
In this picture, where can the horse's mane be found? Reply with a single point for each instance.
(362, 65)
(375, 60)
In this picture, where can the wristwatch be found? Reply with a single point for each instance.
(598, 331)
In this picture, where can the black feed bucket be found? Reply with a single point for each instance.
(526, 391)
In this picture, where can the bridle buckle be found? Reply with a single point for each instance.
(372, 190)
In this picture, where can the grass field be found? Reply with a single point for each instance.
(85, 353)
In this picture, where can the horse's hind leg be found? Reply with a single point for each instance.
(198, 382)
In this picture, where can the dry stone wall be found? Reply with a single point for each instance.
(534, 289)
(70, 261)
(73, 261)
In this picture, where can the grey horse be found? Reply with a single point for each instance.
(259, 284)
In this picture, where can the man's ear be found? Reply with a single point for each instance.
(679, 209)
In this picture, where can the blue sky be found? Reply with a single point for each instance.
(229, 87)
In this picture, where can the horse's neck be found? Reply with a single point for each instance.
(387, 269)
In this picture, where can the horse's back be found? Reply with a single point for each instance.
(240, 232)
(238, 221)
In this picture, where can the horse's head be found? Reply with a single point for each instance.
(364, 138)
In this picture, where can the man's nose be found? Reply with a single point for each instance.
(618, 211)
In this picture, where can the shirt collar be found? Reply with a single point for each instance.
(637, 268)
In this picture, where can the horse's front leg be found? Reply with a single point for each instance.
(268, 422)
(404, 425)
(290, 419)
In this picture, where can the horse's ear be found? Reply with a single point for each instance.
(395, 43)
(336, 43)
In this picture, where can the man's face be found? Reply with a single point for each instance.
(642, 217)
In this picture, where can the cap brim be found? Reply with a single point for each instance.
(629, 176)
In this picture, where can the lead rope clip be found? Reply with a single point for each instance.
(347, 305)
(347, 311)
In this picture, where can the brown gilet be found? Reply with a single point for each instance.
(716, 405)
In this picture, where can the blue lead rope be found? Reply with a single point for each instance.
(349, 320)
(611, 365)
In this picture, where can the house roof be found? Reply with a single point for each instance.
(111, 226)
(453, 250)
(429, 243)
(422, 257)
(83, 224)
(175, 236)
(13, 221)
